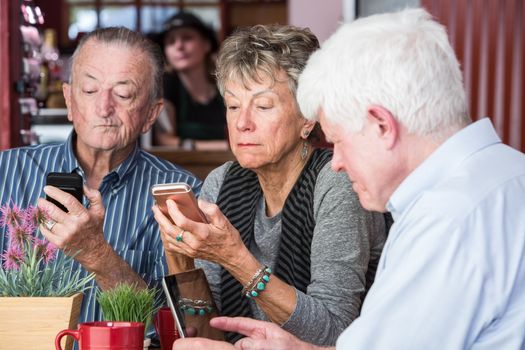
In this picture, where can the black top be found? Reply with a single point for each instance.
(195, 120)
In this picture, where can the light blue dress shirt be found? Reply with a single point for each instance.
(452, 273)
(129, 225)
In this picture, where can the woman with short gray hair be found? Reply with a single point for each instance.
(287, 239)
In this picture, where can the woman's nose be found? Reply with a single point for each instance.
(244, 120)
(178, 43)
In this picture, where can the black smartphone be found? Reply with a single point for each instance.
(169, 284)
(69, 182)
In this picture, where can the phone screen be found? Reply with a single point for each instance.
(169, 284)
(68, 182)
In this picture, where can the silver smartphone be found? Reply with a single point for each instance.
(181, 194)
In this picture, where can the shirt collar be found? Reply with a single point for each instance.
(129, 164)
(70, 162)
(445, 158)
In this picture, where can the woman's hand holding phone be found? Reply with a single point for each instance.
(215, 240)
(182, 193)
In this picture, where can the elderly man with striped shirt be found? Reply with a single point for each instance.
(114, 94)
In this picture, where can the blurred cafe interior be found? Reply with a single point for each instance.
(38, 36)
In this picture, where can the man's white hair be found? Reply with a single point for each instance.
(401, 61)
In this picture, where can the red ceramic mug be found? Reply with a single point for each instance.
(165, 326)
(106, 335)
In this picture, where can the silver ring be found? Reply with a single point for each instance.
(50, 224)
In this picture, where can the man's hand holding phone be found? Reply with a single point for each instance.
(76, 230)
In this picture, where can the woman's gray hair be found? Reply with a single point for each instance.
(132, 40)
(265, 49)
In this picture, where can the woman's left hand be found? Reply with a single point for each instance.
(217, 241)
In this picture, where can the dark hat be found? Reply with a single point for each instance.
(188, 20)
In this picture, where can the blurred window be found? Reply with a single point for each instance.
(146, 16)
(81, 19)
(111, 16)
(152, 17)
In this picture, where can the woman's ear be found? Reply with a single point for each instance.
(385, 125)
(307, 128)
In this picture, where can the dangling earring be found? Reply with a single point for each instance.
(304, 151)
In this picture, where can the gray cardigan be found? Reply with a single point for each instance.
(346, 240)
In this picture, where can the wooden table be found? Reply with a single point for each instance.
(198, 162)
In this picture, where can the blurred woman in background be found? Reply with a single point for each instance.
(194, 109)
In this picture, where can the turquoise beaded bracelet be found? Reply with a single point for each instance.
(258, 282)
(255, 276)
(196, 307)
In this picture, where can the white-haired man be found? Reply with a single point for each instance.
(388, 92)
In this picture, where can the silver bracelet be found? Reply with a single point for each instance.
(258, 283)
(249, 285)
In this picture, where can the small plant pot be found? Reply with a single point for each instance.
(33, 322)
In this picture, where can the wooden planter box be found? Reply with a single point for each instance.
(33, 323)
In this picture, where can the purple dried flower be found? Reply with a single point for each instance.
(39, 245)
(50, 253)
(34, 216)
(19, 234)
(45, 249)
(13, 257)
(11, 217)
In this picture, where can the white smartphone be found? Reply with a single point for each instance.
(169, 284)
(180, 193)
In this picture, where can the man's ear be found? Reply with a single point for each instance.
(153, 114)
(66, 90)
(384, 123)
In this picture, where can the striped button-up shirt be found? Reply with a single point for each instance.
(129, 225)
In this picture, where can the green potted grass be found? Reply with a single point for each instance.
(129, 303)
